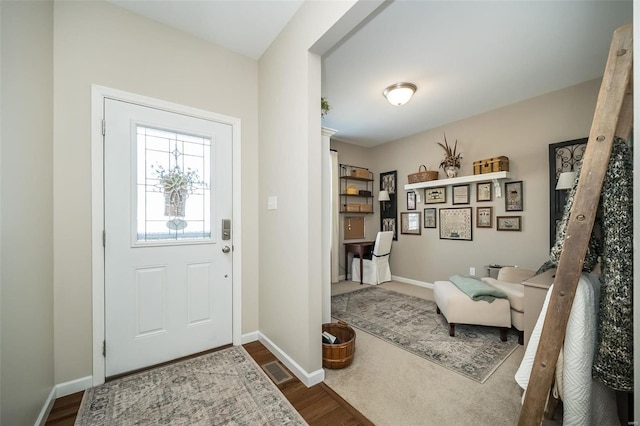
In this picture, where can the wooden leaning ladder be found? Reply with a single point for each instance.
(613, 117)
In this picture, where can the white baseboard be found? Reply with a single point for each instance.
(73, 386)
(309, 379)
(412, 282)
(60, 390)
(250, 337)
(46, 408)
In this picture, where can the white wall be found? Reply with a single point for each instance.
(96, 42)
(522, 132)
(26, 277)
(290, 159)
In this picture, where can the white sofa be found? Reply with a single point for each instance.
(510, 281)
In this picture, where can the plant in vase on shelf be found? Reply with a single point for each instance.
(451, 162)
(177, 184)
(324, 107)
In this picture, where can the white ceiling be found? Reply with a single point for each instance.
(244, 26)
(466, 57)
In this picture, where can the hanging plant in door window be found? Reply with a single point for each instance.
(177, 184)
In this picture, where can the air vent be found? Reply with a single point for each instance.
(276, 372)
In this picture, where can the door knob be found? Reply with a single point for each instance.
(226, 249)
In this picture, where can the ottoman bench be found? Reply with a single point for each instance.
(458, 308)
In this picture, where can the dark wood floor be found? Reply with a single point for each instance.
(318, 405)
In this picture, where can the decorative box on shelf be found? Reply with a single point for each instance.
(361, 173)
(490, 165)
(366, 208)
(351, 207)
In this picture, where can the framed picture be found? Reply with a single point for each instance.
(430, 218)
(410, 223)
(484, 191)
(389, 209)
(435, 195)
(509, 223)
(455, 224)
(411, 200)
(513, 196)
(484, 217)
(460, 194)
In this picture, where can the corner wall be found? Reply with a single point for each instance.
(26, 210)
(98, 43)
(291, 236)
(522, 132)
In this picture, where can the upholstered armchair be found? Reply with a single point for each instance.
(510, 281)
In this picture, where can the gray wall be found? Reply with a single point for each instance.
(26, 213)
(98, 43)
(522, 132)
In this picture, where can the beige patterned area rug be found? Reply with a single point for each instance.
(412, 324)
(223, 387)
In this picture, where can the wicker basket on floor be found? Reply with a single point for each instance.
(335, 356)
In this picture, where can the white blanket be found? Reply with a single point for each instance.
(585, 400)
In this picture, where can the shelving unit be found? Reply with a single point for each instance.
(349, 202)
(495, 177)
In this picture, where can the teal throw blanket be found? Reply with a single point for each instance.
(477, 289)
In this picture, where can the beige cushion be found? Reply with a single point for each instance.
(517, 320)
(512, 274)
(458, 308)
(515, 292)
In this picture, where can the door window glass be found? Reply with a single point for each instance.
(173, 186)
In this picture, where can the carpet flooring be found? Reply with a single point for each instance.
(412, 324)
(223, 387)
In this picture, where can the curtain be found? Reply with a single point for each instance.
(335, 219)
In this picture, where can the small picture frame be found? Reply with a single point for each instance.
(484, 191)
(513, 196)
(435, 195)
(460, 194)
(455, 224)
(509, 223)
(484, 217)
(411, 200)
(410, 223)
(389, 224)
(430, 218)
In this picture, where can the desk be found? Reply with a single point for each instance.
(361, 248)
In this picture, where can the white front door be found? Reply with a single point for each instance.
(168, 259)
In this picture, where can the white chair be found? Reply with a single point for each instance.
(376, 270)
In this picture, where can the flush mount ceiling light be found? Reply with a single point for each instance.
(399, 93)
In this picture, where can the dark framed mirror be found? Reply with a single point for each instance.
(563, 157)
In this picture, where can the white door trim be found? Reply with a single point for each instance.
(98, 94)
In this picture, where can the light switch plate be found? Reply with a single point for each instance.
(272, 202)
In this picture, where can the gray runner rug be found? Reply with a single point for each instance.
(223, 387)
(411, 323)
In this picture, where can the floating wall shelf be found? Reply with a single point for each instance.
(495, 176)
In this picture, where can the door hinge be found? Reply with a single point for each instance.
(104, 348)
(104, 238)
(104, 127)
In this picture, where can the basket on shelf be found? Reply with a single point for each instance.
(352, 190)
(339, 355)
(423, 176)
